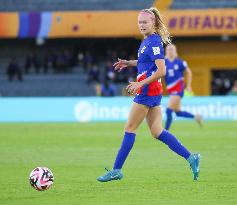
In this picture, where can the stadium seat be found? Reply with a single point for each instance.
(47, 85)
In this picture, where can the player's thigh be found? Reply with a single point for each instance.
(136, 115)
(174, 102)
(154, 121)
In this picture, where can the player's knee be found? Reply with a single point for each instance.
(130, 127)
(156, 132)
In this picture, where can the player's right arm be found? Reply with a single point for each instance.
(189, 78)
(121, 64)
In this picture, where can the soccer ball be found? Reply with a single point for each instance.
(41, 178)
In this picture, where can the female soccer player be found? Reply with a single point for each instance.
(148, 89)
(174, 78)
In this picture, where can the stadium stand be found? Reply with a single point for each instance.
(197, 4)
(73, 82)
(72, 5)
(47, 85)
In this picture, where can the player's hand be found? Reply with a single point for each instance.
(133, 87)
(121, 64)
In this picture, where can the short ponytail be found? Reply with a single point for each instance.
(160, 27)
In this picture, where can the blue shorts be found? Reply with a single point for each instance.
(150, 101)
(181, 93)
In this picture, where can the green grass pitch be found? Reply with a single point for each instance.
(77, 154)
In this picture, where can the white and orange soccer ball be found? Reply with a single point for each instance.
(41, 178)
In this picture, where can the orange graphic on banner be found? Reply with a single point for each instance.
(94, 24)
(9, 25)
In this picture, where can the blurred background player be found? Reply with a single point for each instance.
(148, 89)
(175, 69)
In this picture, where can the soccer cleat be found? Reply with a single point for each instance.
(198, 119)
(194, 160)
(114, 174)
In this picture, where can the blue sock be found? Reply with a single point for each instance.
(168, 118)
(184, 114)
(174, 144)
(126, 146)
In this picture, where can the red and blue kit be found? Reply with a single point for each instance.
(175, 76)
(150, 49)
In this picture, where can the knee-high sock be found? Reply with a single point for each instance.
(174, 144)
(184, 114)
(168, 118)
(126, 146)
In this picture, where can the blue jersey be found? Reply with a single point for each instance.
(150, 49)
(175, 75)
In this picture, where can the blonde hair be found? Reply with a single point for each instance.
(160, 27)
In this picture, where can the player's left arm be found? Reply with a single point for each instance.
(188, 73)
(156, 53)
(161, 72)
